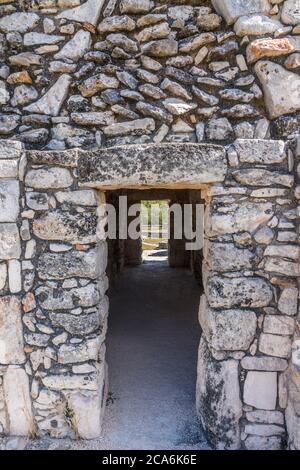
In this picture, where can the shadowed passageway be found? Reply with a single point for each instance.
(152, 342)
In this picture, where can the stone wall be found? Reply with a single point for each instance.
(96, 73)
(53, 307)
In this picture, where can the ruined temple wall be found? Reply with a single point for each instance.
(99, 73)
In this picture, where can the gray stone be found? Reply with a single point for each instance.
(10, 246)
(24, 94)
(19, 22)
(264, 429)
(8, 122)
(135, 6)
(278, 102)
(290, 13)
(158, 165)
(178, 107)
(224, 257)
(77, 324)
(275, 345)
(161, 48)
(158, 31)
(76, 47)
(58, 299)
(9, 200)
(10, 149)
(282, 267)
(154, 111)
(256, 25)
(207, 98)
(88, 12)
(90, 264)
(231, 10)
(85, 351)
(175, 89)
(265, 417)
(264, 363)
(35, 39)
(288, 301)
(11, 331)
(136, 127)
(231, 330)
(218, 398)
(116, 23)
(105, 118)
(260, 390)
(219, 129)
(72, 382)
(49, 178)
(82, 197)
(238, 292)
(263, 443)
(97, 83)
(122, 41)
(261, 177)
(260, 151)
(18, 402)
(71, 227)
(53, 99)
(279, 325)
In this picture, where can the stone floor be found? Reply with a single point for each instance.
(152, 353)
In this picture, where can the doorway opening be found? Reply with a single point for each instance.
(153, 328)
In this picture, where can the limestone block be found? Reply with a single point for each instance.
(80, 324)
(238, 292)
(59, 298)
(11, 331)
(279, 100)
(218, 398)
(10, 246)
(227, 329)
(290, 13)
(261, 177)
(18, 402)
(242, 217)
(282, 267)
(82, 352)
(72, 382)
(68, 227)
(8, 168)
(260, 390)
(19, 22)
(263, 443)
(279, 325)
(265, 417)
(260, 151)
(224, 257)
(9, 200)
(256, 25)
(275, 345)
(87, 409)
(264, 363)
(52, 101)
(88, 12)
(48, 178)
(76, 47)
(288, 301)
(135, 6)
(232, 9)
(150, 165)
(264, 430)
(10, 149)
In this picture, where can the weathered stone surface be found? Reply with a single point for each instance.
(82, 197)
(71, 227)
(288, 301)
(264, 429)
(89, 264)
(277, 100)
(264, 363)
(238, 292)
(279, 325)
(159, 165)
(76, 47)
(263, 443)
(135, 6)
(88, 12)
(72, 382)
(224, 257)
(87, 409)
(261, 177)
(36, 39)
(282, 267)
(93, 118)
(8, 122)
(227, 329)
(260, 151)
(9, 200)
(97, 83)
(136, 127)
(23, 95)
(218, 399)
(73, 353)
(243, 217)
(10, 246)
(11, 332)
(260, 390)
(256, 25)
(18, 401)
(53, 99)
(77, 324)
(19, 22)
(290, 13)
(112, 24)
(49, 178)
(265, 417)
(232, 9)
(58, 299)
(268, 48)
(275, 345)
(161, 48)
(10, 150)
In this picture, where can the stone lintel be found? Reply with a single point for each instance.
(159, 166)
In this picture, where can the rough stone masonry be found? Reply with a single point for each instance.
(170, 78)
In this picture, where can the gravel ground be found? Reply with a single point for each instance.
(152, 354)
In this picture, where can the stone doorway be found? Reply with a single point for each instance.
(55, 240)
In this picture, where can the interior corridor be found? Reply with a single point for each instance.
(152, 343)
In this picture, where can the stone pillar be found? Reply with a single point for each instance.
(178, 256)
(133, 248)
(64, 302)
(247, 313)
(16, 416)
